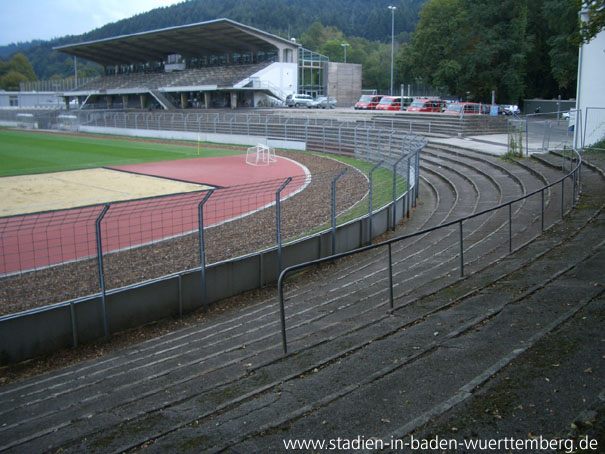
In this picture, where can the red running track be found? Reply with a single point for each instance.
(42, 239)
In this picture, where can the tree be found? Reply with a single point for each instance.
(561, 20)
(470, 47)
(333, 50)
(314, 37)
(497, 52)
(438, 45)
(540, 82)
(594, 23)
(18, 69)
(11, 80)
(20, 64)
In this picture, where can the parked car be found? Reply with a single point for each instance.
(322, 102)
(389, 103)
(467, 108)
(407, 101)
(427, 105)
(509, 109)
(368, 102)
(297, 100)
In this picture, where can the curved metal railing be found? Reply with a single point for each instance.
(573, 174)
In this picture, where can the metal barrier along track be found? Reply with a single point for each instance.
(375, 140)
(154, 248)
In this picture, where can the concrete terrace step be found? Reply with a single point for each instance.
(224, 385)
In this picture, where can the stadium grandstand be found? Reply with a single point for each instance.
(218, 63)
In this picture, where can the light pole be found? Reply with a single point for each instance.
(344, 46)
(392, 8)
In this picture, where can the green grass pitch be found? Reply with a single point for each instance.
(24, 153)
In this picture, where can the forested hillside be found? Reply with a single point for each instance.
(516, 48)
(369, 19)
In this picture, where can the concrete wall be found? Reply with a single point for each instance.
(235, 139)
(281, 75)
(547, 106)
(344, 83)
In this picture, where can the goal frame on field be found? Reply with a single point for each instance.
(260, 155)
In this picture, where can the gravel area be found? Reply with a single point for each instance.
(299, 215)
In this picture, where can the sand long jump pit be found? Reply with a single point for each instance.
(74, 188)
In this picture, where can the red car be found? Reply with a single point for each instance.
(389, 103)
(368, 102)
(427, 105)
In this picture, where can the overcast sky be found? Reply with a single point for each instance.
(26, 20)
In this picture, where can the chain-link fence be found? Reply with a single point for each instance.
(538, 133)
(64, 255)
(594, 131)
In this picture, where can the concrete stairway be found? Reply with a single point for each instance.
(354, 367)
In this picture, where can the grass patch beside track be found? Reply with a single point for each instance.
(25, 153)
(382, 193)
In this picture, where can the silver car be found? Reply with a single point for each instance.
(322, 102)
(297, 100)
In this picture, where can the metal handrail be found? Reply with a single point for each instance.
(390, 242)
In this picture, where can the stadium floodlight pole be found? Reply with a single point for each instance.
(344, 46)
(392, 8)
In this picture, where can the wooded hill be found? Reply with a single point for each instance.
(369, 19)
(519, 48)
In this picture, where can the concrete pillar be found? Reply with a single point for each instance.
(234, 100)
(124, 101)
(184, 100)
(143, 99)
(66, 98)
(207, 99)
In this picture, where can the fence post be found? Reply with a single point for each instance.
(562, 198)
(510, 228)
(461, 251)
(278, 222)
(74, 324)
(391, 297)
(342, 172)
(395, 191)
(101, 270)
(573, 192)
(200, 209)
(282, 312)
(417, 175)
(542, 210)
(371, 195)
(407, 189)
(307, 132)
(324, 137)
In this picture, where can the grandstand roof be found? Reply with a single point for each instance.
(216, 37)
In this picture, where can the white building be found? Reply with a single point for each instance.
(30, 100)
(591, 89)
